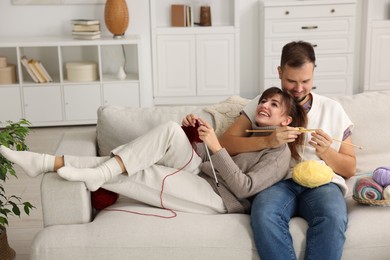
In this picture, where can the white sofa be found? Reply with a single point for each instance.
(74, 231)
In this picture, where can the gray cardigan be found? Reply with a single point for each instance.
(244, 175)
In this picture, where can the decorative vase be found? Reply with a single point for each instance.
(6, 252)
(116, 17)
(121, 74)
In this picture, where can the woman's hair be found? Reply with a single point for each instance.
(292, 109)
(295, 54)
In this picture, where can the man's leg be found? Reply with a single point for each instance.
(325, 210)
(272, 210)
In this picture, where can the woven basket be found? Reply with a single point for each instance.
(116, 17)
(6, 252)
(383, 203)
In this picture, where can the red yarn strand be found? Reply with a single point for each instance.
(174, 214)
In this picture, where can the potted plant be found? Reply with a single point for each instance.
(12, 135)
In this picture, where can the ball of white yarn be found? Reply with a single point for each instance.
(386, 193)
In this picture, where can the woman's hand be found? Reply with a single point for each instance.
(208, 136)
(189, 120)
(285, 134)
(321, 142)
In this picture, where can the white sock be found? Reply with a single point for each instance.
(94, 178)
(32, 163)
(84, 161)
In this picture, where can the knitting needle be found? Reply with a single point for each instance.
(300, 129)
(303, 130)
(354, 145)
(212, 165)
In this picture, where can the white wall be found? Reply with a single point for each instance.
(24, 20)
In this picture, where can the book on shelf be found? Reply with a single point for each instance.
(86, 28)
(181, 15)
(43, 71)
(74, 33)
(85, 21)
(34, 68)
(24, 62)
(87, 37)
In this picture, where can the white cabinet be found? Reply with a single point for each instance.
(10, 103)
(328, 25)
(195, 65)
(121, 94)
(42, 104)
(75, 98)
(376, 36)
(65, 102)
(176, 66)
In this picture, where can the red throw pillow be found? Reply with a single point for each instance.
(103, 198)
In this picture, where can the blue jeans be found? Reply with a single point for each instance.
(324, 209)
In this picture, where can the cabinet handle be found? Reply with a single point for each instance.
(333, 10)
(287, 13)
(309, 27)
(314, 87)
(314, 45)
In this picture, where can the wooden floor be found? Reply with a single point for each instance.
(21, 231)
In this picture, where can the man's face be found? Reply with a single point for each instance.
(297, 81)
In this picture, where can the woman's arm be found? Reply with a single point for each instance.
(269, 166)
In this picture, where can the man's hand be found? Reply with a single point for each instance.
(321, 142)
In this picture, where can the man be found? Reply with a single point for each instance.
(323, 207)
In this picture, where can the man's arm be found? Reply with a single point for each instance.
(236, 140)
(343, 162)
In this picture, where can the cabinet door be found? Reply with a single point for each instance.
(10, 105)
(215, 64)
(121, 94)
(176, 65)
(42, 103)
(82, 101)
(380, 59)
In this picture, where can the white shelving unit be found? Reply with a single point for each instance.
(195, 65)
(328, 24)
(64, 102)
(376, 42)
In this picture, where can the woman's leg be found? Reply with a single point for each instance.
(325, 210)
(165, 145)
(272, 210)
(169, 188)
(33, 164)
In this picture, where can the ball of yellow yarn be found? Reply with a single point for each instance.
(312, 174)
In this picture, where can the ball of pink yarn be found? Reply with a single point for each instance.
(382, 176)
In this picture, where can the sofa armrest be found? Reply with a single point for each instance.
(65, 202)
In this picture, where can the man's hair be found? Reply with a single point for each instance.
(295, 54)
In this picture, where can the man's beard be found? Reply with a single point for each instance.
(299, 100)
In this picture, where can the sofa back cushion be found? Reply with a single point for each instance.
(119, 125)
(369, 111)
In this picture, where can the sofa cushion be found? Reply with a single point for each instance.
(369, 111)
(118, 125)
(226, 112)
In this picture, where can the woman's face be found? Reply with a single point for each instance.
(271, 112)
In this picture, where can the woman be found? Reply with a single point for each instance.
(138, 169)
